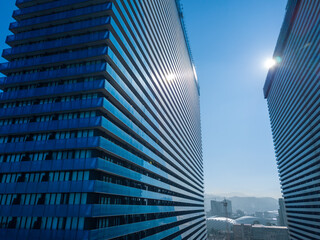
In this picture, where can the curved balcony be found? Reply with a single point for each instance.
(43, 8)
(58, 59)
(59, 31)
(88, 39)
(59, 18)
(103, 233)
(52, 107)
(52, 91)
(54, 125)
(118, 231)
(47, 187)
(30, 3)
(50, 165)
(57, 144)
(87, 70)
(92, 210)
(46, 234)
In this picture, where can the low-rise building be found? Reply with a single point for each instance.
(259, 232)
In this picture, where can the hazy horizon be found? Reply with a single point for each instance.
(238, 194)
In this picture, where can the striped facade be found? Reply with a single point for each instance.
(100, 132)
(292, 90)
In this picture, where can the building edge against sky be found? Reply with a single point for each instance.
(292, 90)
(100, 133)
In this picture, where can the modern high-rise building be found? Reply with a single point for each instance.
(99, 123)
(221, 208)
(292, 90)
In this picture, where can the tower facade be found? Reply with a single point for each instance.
(292, 90)
(99, 123)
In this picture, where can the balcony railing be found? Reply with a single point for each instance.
(59, 29)
(54, 59)
(92, 37)
(60, 16)
(54, 74)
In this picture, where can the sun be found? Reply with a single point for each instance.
(270, 63)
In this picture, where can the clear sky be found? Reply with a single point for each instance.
(230, 40)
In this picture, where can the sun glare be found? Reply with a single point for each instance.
(170, 77)
(269, 63)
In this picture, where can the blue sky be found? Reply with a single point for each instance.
(230, 40)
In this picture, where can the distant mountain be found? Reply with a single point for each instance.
(249, 205)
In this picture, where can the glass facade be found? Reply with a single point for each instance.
(100, 132)
(292, 90)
